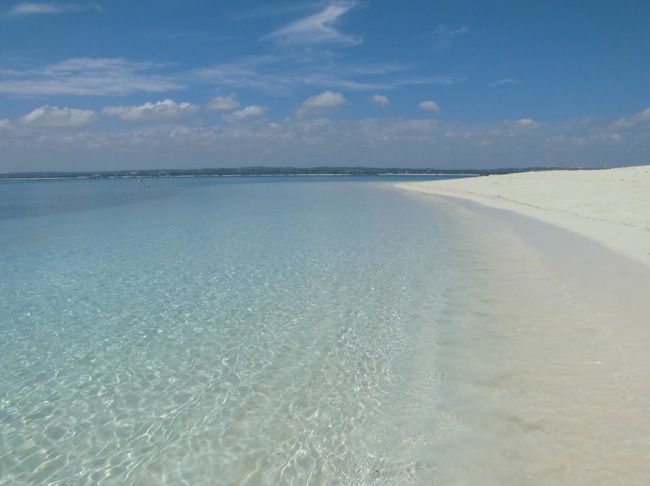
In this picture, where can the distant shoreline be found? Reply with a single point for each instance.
(262, 172)
(225, 175)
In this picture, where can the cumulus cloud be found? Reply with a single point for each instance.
(160, 110)
(429, 105)
(55, 117)
(5, 124)
(525, 122)
(223, 103)
(380, 100)
(29, 8)
(323, 101)
(319, 27)
(252, 111)
(415, 142)
(639, 118)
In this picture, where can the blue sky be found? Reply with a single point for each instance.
(118, 84)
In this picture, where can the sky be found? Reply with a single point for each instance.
(122, 84)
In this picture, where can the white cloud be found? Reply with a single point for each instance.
(429, 105)
(223, 103)
(415, 142)
(380, 100)
(639, 118)
(88, 77)
(327, 99)
(85, 64)
(445, 36)
(319, 27)
(5, 124)
(252, 111)
(596, 141)
(525, 122)
(55, 117)
(443, 79)
(160, 110)
(504, 82)
(28, 8)
(282, 73)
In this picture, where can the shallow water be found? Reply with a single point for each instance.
(274, 331)
(222, 331)
(546, 369)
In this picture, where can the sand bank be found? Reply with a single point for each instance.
(609, 206)
(548, 374)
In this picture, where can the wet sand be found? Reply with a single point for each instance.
(548, 372)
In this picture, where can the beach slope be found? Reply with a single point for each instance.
(610, 206)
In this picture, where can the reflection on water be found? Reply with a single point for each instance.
(245, 332)
(304, 332)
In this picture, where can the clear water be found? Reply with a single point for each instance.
(225, 331)
(310, 331)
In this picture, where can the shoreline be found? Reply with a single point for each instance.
(611, 206)
(548, 375)
(72, 178)
(379, 335)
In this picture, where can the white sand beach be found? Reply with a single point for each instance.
(610, 206)
(559, 387)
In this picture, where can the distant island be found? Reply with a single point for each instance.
(262, 171)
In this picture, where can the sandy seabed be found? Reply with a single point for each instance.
(553, 375)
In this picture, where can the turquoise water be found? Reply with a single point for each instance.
(224, 331)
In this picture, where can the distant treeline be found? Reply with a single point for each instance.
(259, 171)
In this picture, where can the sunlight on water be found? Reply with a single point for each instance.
(303, 332)
(229, 332)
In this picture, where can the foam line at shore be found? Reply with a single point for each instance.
(610, 206)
